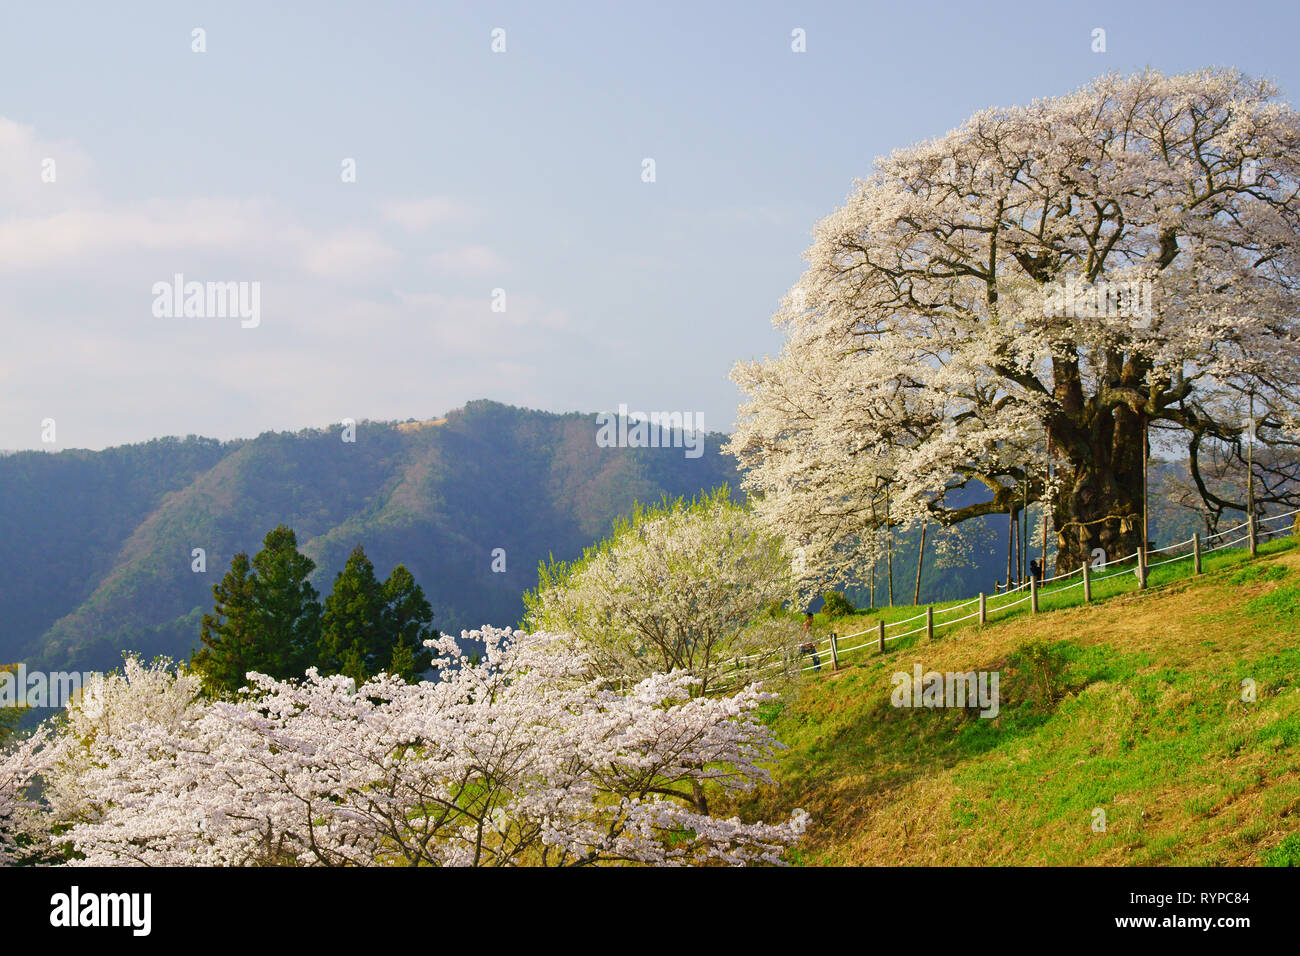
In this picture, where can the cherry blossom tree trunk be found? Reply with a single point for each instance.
(698, 799)
(1101, 502)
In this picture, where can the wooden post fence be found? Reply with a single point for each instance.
(880, 630)
(835, 651)
(929, 622)
(1254, 539)
(1033, 594)
(984, 609)
(1087, 582)
(1196, 553)
(1142, 567)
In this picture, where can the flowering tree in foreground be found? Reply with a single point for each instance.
(676, 586)
(18, 811)
(510, 759)
(97, 731)
(1058, 275)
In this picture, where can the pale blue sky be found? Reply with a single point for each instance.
(475, 171)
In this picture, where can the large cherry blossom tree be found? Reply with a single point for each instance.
(1044, 285)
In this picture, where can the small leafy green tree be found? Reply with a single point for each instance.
(835, 604)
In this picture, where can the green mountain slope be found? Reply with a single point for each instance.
(96, 551)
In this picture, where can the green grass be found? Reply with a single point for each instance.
(1116, 580)
(1134, 706)
(1286, 853)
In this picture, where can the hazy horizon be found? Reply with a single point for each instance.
(632, 416)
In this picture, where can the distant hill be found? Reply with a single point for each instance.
(95, 555)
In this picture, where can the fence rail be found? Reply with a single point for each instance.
(829, 650)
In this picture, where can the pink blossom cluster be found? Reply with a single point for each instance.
(514, 757)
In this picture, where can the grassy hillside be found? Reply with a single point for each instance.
(1132, 704)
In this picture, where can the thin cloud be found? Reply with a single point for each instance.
(416, 215)
(468, 260)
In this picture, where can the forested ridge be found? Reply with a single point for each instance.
(97, 550)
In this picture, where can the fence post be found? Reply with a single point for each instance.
(835, 651)
(1196, 553)
(1033, 594)
(1254, 540)
(1087, 582)
(1142, 567)
(984, 609)
(880, 625)
(929, 622)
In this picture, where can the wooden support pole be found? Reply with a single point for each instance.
(920, 563)
(835, 651)
(1011, 526)
(889, 549)
(1254, 538)
(929, 622)
(1196, 553)
(1142, 567)
(984, 609)
(1033, 593)
(880, 630)
(1087, 582)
